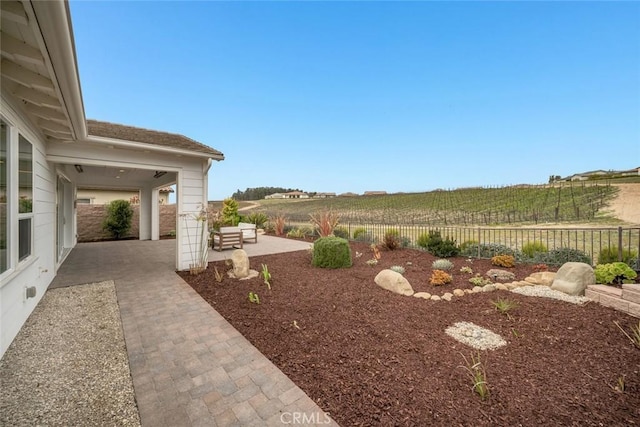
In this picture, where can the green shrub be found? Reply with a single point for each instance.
(464, 245)
(298, 233)
(478, 280)
(257, 218)
(615, 272)
(397, 268)
(530, 249)
(331, 252)
(487, 250)
(405, 242)
(391, 239)
(230, 215)
(118, 220)
(560, 256)
(342, 232)
(361, 234)
(442, 264)
(437, 246)
(610, 254)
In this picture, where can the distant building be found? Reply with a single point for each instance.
(600, 173)
(97, 196)
(349, 194)
(324, 195)
(289, 195)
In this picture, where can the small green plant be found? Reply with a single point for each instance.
(391, 239)
(610, 254)
(614, 273)
(516, 333)
(340, 231)
(298, 233)
(266, 276)
(171, 233)
(331, 252)
(442, 264)
(530, 249)
(397, 268)
(217, 274)
(466, 269)
(620, 386)
(325, 222)
(507, 261)
(439, 278)
(361, 234)
(634, 336)
(561, 255)
(257, 218)
(118, 220)
(467, 243)
(254, 298)
(505, 305)
(478, 280)
(372, 262)
(477, 374)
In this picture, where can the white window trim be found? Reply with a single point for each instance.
(14, 264)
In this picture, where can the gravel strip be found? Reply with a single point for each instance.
(547, 292)
(475, 336)
(68, 364)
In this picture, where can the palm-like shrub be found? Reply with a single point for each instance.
(325, 222)
(391, 239)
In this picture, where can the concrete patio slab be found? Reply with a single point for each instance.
(266, 245)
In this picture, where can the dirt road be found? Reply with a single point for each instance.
(626, 206)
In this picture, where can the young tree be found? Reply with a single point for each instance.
(230, 214)
(118, 220)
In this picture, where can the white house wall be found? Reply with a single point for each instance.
(39, 269)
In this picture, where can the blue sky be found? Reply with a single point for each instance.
(357, 96)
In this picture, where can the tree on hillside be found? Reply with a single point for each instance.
(259, 193)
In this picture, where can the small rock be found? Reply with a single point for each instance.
(424, 295)
(502, 275)
(435, 298)
(447, 296)
(476, 289)
(458, 292)
(468, 291)
(511, 286)
(488, 288)
(501, 287)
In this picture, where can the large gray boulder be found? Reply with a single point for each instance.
(394, 282)
(573, 278)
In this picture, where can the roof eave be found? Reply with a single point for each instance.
(151, 147)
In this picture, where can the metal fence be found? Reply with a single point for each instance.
(588, 240)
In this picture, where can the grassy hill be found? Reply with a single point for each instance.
(565, 202)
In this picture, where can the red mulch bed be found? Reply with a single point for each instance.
(370, 357)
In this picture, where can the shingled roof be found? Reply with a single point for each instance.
(147, 136)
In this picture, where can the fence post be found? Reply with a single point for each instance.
(619, 244)
(479, 242)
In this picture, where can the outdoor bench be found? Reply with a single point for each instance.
(249, 232)
(227, 237)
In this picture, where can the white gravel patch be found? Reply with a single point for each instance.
(547, 292)
(68, 364)
(475, 336)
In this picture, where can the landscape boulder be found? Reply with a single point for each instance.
(500, 275)
(541, 278)
(573, 278)
(394, 282)
(240, 262)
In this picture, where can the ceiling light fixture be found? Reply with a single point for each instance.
(159, 174)
(78, 168)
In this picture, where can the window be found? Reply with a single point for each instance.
(25, 201)
(16, 198)
(83, 201)
(4, 174)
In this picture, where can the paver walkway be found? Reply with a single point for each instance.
(189, 366)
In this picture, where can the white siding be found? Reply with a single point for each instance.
(39, 269)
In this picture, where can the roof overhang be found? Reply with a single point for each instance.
(39, 66)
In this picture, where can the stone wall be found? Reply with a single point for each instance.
(90, 219)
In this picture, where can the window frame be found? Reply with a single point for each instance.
(26, 215)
